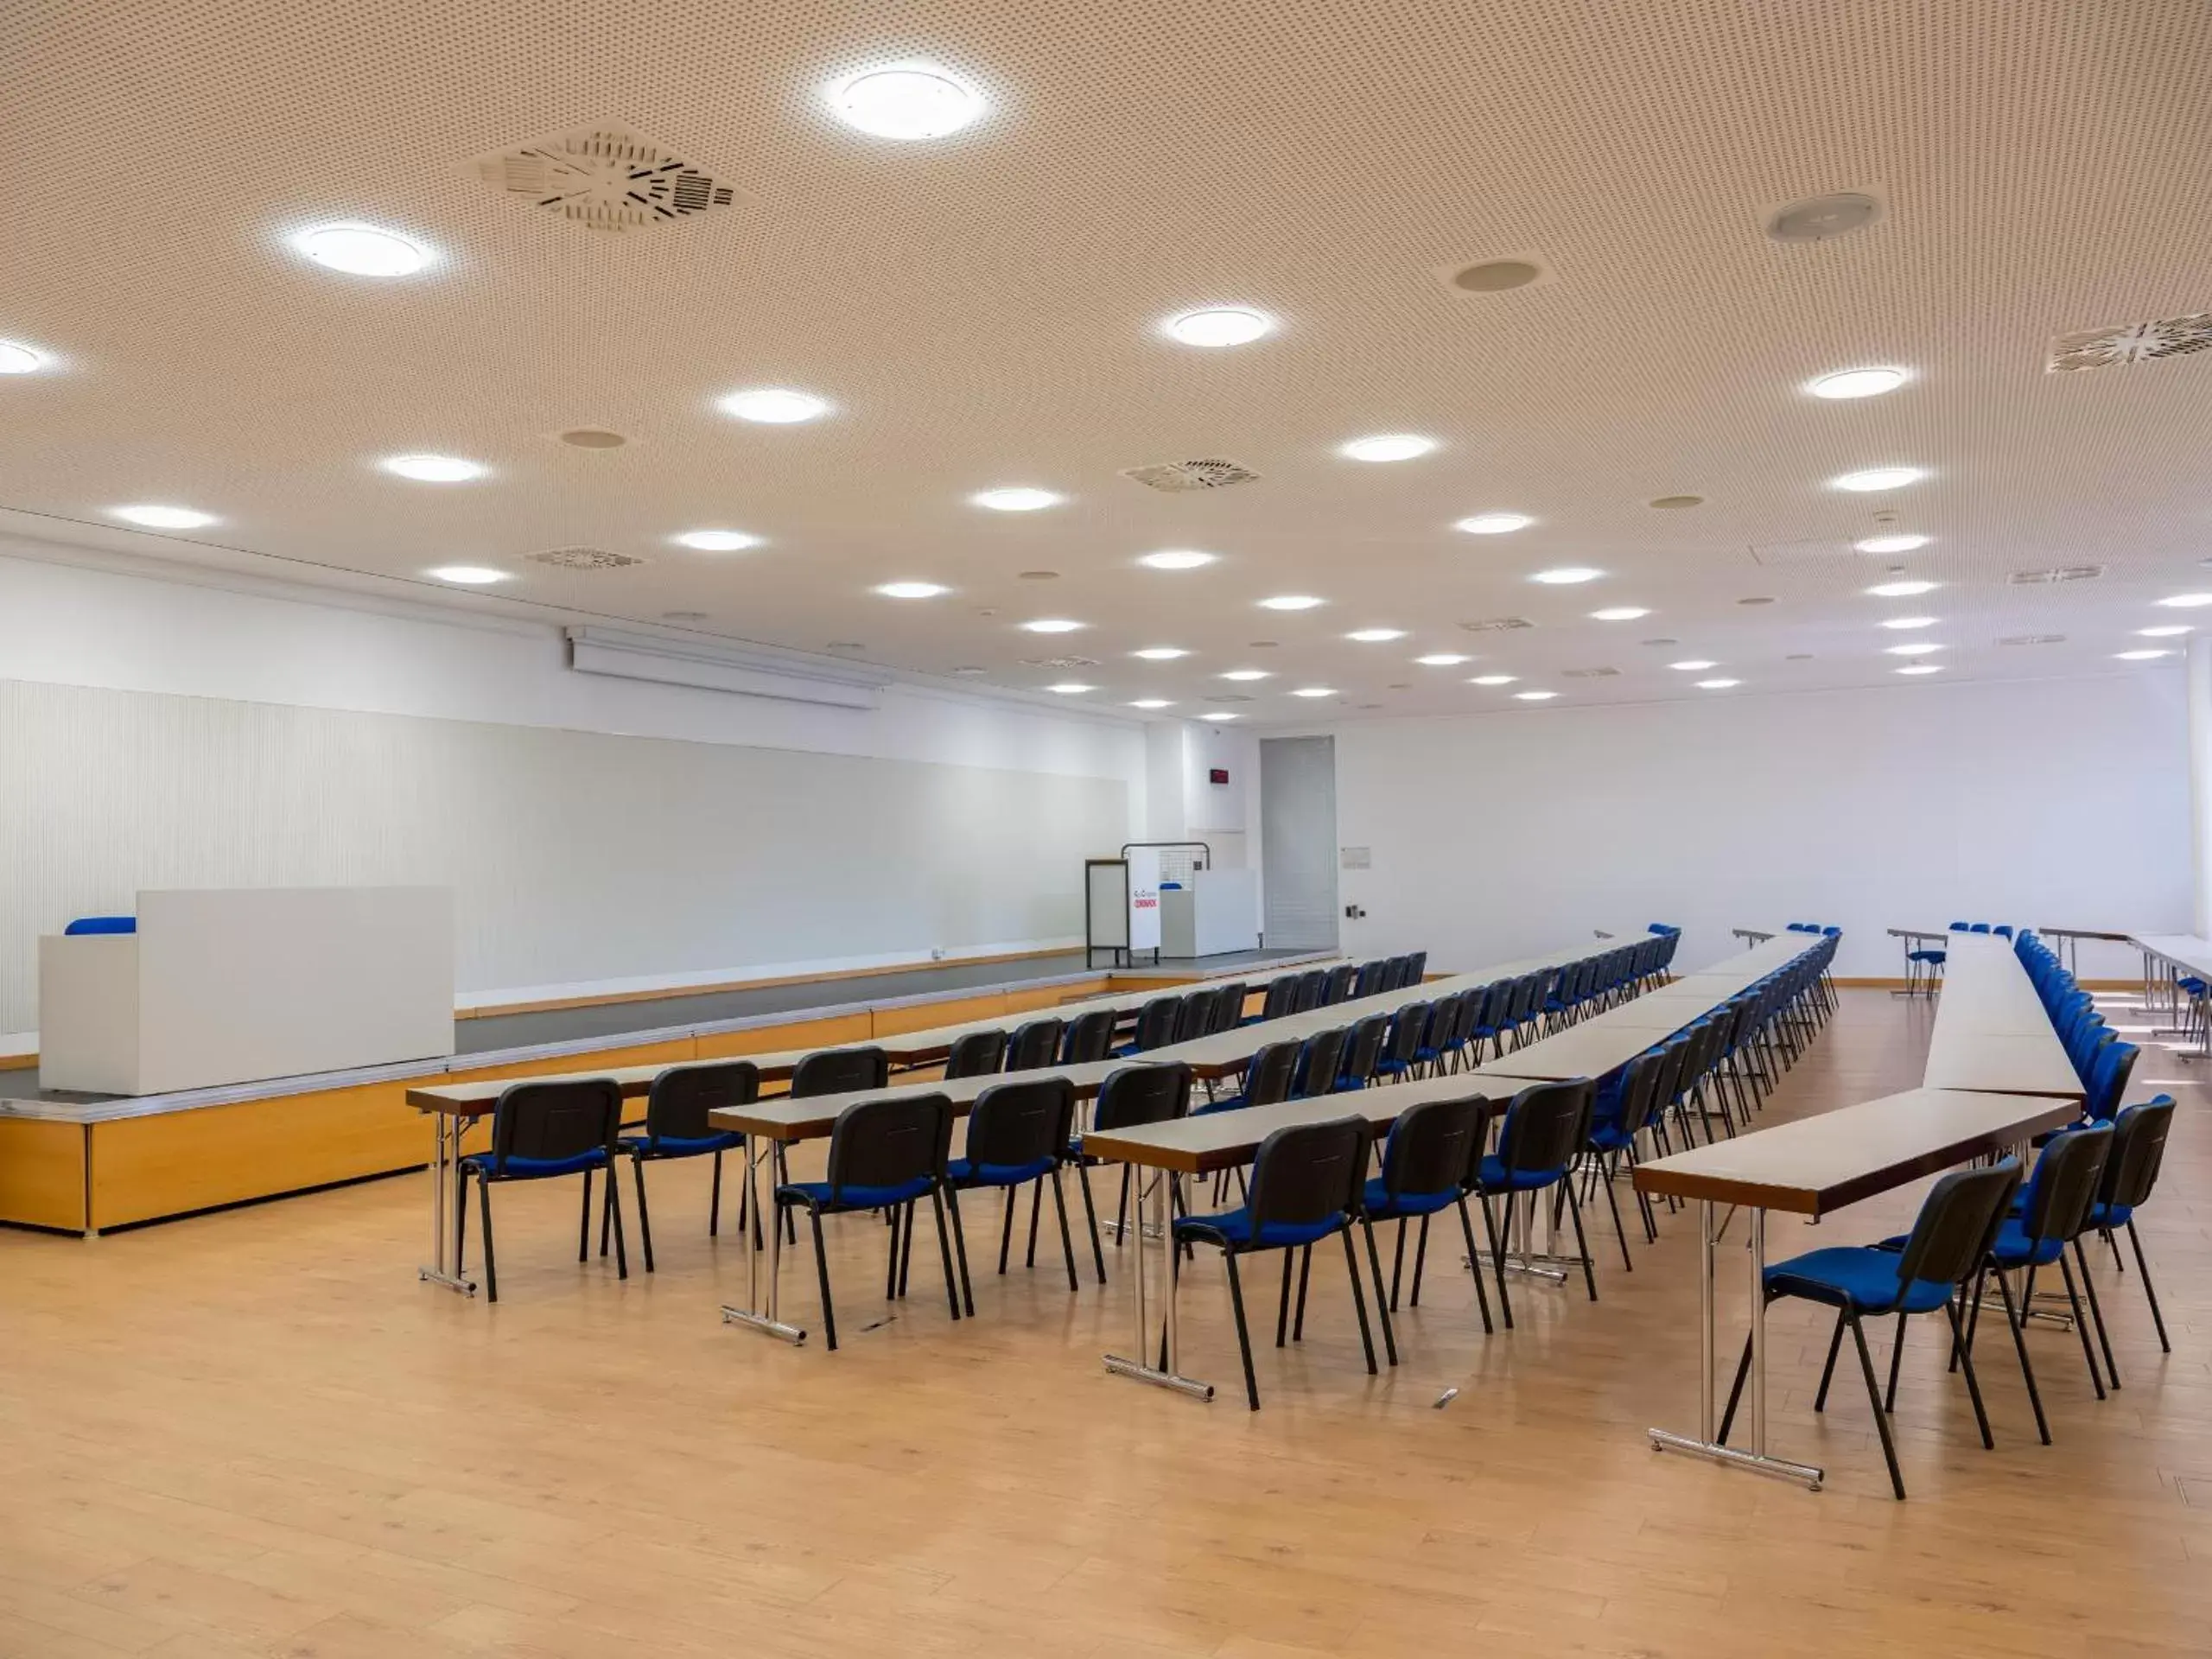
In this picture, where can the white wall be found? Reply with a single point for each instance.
(2047, 803)
(160, 731)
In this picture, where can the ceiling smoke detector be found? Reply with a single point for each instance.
(1821, 218)
(594, 437)
(1494, 275)
(2119, 344)
(605, 177)
(584, 558)
(1498, 624)
(2061, 573)
(1176, 477)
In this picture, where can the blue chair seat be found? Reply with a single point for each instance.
(852, 1197)
(2014, 1249)
(675, 1146)
(1425, 1055)
(1609, 1137)
(1494, 1179)
(968, 1173)
(2105, 1217)
(1927, 955)
(1236, 1226)
(530, 1169)
(1375, 1199)
(1226, 1103)
(1861, 1278)
(1385, 1066)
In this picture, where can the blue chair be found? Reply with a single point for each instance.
(1320, 1061)
(1035, 1044)
(1545, 1130)
(677, 1128)
(85, 924)
(2138, 1149)
(1087, 1037)
(2003, 931)
(1305, 1185)
(546, 1131)
(1620, 1110)
(1427, 1161)
(2109, 1071)
(1018, 1136)
(1362, 1049)
(1268, 1077)
(1280, 1001)
(1155, 1026)
(1948, 1244)
(1408, 1028)
(976, 1054)
(1156, 1092)
(885, 1154)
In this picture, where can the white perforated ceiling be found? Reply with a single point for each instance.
(984, 310)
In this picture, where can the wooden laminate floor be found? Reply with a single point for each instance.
(255, 1433)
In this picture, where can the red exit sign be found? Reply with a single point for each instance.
(1218, 775)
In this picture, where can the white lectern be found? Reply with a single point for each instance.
(224, 986)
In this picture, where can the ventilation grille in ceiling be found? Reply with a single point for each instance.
(1177, 476)
(2130, 342)
(1059, 662)
(1495, 624)
(2034, 639)
(584, 558)
(1589, 673)
(604, 178)
(2061, 572)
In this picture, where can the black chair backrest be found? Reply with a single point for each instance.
(2067, 1176)
(1399, 972)
(1958, 1223)
(1416, 967)
(1640, 1090)
(840, 1071)
(1268, 1079)
(976, 1054)
(1307, 1173)
(556, 1120)
(888, 1142)
(1089, 1037)
(1407, 1026)
(1368, 981)
(1309, 991)
(1156, 1021)
(2138, 1147)
(1015, 1123)
(681, 1098)
(1194, 1014)
(1036, 1044)
(1228, 1006)
(1337, 988)
(1150, 1093)
(1281, 998)
(1365, 1047)
(1545, 1125)
(1433, 1147)
(1320, 1062)
(1668, 1083)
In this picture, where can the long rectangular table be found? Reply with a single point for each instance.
(2168, 958)
(1991, 1030)
(1814, 1168)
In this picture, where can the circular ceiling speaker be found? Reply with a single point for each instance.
(592, 438)
(1495, 275)
(1669, 503)
(1820, 218)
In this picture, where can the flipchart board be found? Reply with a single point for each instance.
(1144, 898)
(1121, 903)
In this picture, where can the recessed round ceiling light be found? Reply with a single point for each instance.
(1567, 576)
(1818, 217)
(1618, 614)
(1493, 679)
(361, 250)
(1858, 383)
(717, 540)
(1674, 503)
(911, 589)
(2140, 656)
(2165, 631)
(1919, 668)
(1330, 690)
(1391, 446)
(1160, 654)
(773, 405)
(16, 358)
(1879, 478)
(1900, 589)
(1716, 685)
(1693, 664)
(1908, 621)
(433, 469)
(1018, 498)
(469, 576)
(1535, 696)
(1494, 524)
(1050, 625)
(1918, 648)
(1442, 659)
(592, 437)
(1495, 275)
(1218, 714)
(1071, 687)
(1376, 636)
(1893, 544)
(161, 517)
(1219, 326)
(1176, 558)
(1289, 602)
(1246, 674)
(909, 102)
(2186, 601)
(1152, 702)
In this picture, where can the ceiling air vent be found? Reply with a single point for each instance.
(2061, 573)
(584, 558)
(1059, 662)
(2034, 639)
(605, 178)
(2130, 342)
(1498, 624)
(1589, 673)
(1178, 476)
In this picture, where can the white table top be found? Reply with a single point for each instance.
(1991, 1030)
(2184, 950)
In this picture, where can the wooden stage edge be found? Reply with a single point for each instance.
(82, 1178)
